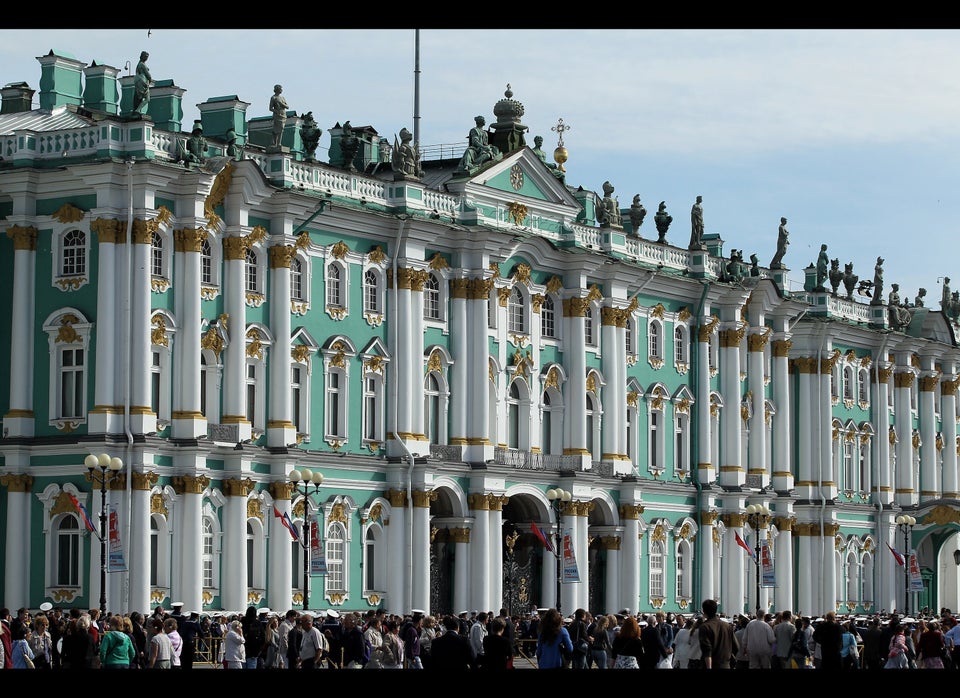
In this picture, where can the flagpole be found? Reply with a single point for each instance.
(557, 498)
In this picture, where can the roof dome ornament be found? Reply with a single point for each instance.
(508, 130)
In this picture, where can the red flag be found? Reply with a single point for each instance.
(541, 536)
(897, 555)
(82, 510)
(287, 523)
(742, 544)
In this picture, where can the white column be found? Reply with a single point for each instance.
(397, 540)
(611, 594)
(929, 486)
(281, 431)
(806, 581)
(188, 421)
(574, 396)
(731, 467)
(826, 468)
(191, 533)
(17, 558)
(459, 350)
(18, 421)
(828, 578)
(480, 551)
(235, 362)
(421, 445)
(495, 561)
(757, 446)
(905, 491)
(143, 419)
(548, 569)
(734, 574)
(109, 290)
(708, 552)
(630, 558)
(806, 401)
(479, 447)
(580, 593)
(420, 598)
(138, 546)
(613, 400)
(783, 559)
(280, 552)
(461, 569)
(781, 468)
(233, 574)
(704, 455)
(948, 406)
(883, 481)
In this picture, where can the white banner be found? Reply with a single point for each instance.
(115, 561)
(570, 572)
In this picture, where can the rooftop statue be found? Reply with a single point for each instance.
(877, 298)
(141, 85)
(836, 276)
(406, 155)
(696, 225)
(194, 151)
(310, 135)
(479, 150)
(900, 315)
(918, 301)
(233, 150)
(782, 241)
(849, 280)
(662, 219)
(637, 214)
(609, 213)
(822, 263)
(349, 145)
(278, 107)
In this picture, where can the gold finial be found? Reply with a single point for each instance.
(560, 153)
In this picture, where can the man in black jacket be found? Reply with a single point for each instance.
(653, 647)
(451, 650)
(829, 635)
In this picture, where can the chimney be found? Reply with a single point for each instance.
(220, 114)
(59, 80)
(100, 89)
(17, 97)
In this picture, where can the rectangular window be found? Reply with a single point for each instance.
(72, 377)
(370, 412)
(295, 394)
(68, 557)
(548, 318)
(335, 580)
(251, 392)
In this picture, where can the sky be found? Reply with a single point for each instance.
(853, 135)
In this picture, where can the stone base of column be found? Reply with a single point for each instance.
(142, 421)
(281, 434)
(474, 452)
(783, 482)
(417, 444)
(188, 425)
(104, 420)
(16, 423)
(621, 466)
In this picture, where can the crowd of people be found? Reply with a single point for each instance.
(376, 639)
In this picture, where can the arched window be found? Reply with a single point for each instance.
(68, 552)
(548, 318)
(206, 263)
(849, 383)
(655, 340)
(156, 254)
(593, 426)
(154, 552)
(551, 422)
(514, 425)
(334, 288)
(656, 570)
(516, 312)
(251, 272)
(680, 346)
(431, 298)
(336, 558)
(371, 292)
(74, 258)
(296, 279)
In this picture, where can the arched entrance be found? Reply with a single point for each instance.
(522, 555)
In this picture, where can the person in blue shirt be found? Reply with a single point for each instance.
(552, 636)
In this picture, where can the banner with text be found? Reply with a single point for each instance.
(766, 564)
(318, 561)
(116, 562)
(916, 581)
(570, 572)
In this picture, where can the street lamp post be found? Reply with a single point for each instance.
(905, 523)
(109, 468)
(557, 497)
(759, 516)
(303, 480)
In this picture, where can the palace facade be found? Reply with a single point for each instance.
(447, 345)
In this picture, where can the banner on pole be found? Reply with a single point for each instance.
(115, 562)
(570, 572)
(916, 581)
(766, 564)
(318, 561)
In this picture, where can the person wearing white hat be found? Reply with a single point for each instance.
(314, 645)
